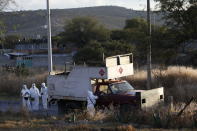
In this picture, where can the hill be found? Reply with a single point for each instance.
(33, 23)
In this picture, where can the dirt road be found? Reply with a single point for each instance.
(15, 106)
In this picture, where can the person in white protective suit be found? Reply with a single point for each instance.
(25, 93)
(44, 95)
(91, 101)
(35, 94)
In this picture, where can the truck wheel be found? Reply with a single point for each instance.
(125, 112)
(61, 107)
(68, 106)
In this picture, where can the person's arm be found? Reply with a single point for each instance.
(95, 97)
(46, 89)
(41, 91)
(28, 91)
(22, 93)
(38, 92)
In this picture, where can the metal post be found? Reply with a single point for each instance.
(50, 62)
(170, 100)
(149, 79)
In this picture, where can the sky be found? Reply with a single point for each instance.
(65, 4)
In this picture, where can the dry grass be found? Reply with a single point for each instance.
(166, 129)
(104, 120)
(24, 121)
(165, 117)
(100, 116)
(125, 128)
(161, 117)
(179, 82)
(11, 83)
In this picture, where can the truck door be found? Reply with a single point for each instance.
(104, 95)
(118, 97)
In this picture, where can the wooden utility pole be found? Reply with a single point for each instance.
(149, 79)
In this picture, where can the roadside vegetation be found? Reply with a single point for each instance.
(12, 80)
(178, 82)
(94, 41)
(160, 119)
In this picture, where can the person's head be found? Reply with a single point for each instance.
(43, 84)
(33, 85)
(24, 86)
(93, 88)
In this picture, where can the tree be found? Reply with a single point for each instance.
(11, 40)
(191, 21)
(93, 52)
(5, 3)
(136, 23)
(2, 31)
(163, 47)
(181, 15)
(136, 30)
(119, 35)
(82, 30)
(135, 33)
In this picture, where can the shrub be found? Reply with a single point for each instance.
(11, 83)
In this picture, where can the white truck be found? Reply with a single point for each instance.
(69, 89)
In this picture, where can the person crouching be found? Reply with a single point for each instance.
(91, 101)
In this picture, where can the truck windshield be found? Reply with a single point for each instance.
(122, 87)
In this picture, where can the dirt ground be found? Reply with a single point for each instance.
(25, 123)
(13, 118)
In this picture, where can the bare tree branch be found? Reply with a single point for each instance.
(5, 3)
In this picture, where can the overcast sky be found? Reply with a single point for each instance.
(62, 4)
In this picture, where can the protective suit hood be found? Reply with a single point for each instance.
(44, 93)
(35, 94)
(25, 95)
(43, 85)
(33, 85)
(24, 87)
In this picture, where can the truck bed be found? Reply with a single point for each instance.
(150, 98)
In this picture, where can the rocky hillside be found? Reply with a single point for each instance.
(32, 23)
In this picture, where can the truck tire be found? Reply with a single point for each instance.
(125, 112)
(68, 106)
(61, 107)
